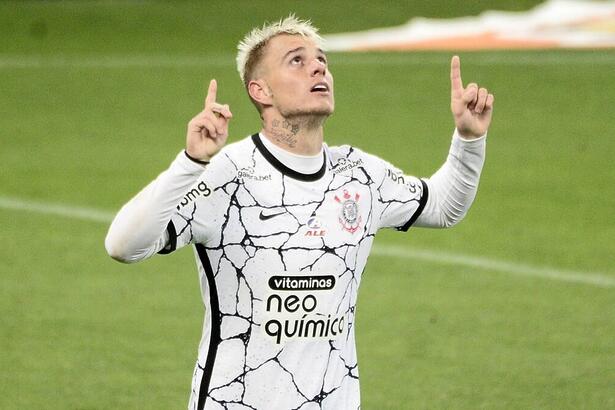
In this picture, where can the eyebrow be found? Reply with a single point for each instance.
(300, 48)
(292, 51)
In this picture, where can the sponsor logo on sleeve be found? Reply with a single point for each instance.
(399, 178)
(200, 190)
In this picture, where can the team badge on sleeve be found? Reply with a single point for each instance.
(349, 215)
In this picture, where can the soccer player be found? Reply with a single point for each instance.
(282, 225)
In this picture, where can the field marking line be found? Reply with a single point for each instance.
(67, 211)
(113, 61)
(397, 251)
(118, 61)
(446, 258)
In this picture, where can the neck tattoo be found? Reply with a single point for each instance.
(285, 132)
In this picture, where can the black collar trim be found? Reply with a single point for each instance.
(283, 168)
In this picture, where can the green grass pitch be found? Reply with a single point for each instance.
(79, 127)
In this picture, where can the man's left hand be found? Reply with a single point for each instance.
(471, 106)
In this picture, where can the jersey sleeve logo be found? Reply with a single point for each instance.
(200, 190)
(398, 177)
(349, 216)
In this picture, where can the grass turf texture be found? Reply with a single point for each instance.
(79, 331)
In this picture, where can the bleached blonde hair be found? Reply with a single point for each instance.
(250, 49)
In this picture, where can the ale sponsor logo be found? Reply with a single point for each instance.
(314, 225)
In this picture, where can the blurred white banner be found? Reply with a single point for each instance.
(554, 24)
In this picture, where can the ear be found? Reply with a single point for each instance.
(260, 92)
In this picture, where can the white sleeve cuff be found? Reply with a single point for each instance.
(453, 187)
(183, 165)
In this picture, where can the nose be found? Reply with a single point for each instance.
(318, 67)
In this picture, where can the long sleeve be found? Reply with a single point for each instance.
(453, 187)
(139, 229)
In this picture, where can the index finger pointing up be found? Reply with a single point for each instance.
(456, 83)
(211, 92)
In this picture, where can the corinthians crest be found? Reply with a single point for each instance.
(349, 216)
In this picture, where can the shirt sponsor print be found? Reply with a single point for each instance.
(250, 174)
(344, 164)
(199, 190)
(314, 227)
(399, 178)
(296, 309)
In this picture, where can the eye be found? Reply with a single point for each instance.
(322, 59)
(296, 60)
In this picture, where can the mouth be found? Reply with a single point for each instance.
(321, 87)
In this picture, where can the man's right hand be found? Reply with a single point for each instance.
(208, 130)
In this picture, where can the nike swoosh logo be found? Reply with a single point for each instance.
(264, 217)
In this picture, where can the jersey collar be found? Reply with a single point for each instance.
(289, 172)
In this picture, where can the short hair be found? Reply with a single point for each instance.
(250, 49)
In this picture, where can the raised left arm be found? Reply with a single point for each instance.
(453, 187)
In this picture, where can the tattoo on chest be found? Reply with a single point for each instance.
(285, 132)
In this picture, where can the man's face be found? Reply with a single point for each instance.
(296, 73)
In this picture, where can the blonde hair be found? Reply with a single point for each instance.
(250, 49)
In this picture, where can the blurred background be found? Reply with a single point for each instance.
(514, 308)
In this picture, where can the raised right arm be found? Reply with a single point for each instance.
(138, 231)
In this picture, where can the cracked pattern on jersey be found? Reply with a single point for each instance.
(287, 258)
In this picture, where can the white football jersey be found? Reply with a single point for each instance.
(280, 256)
